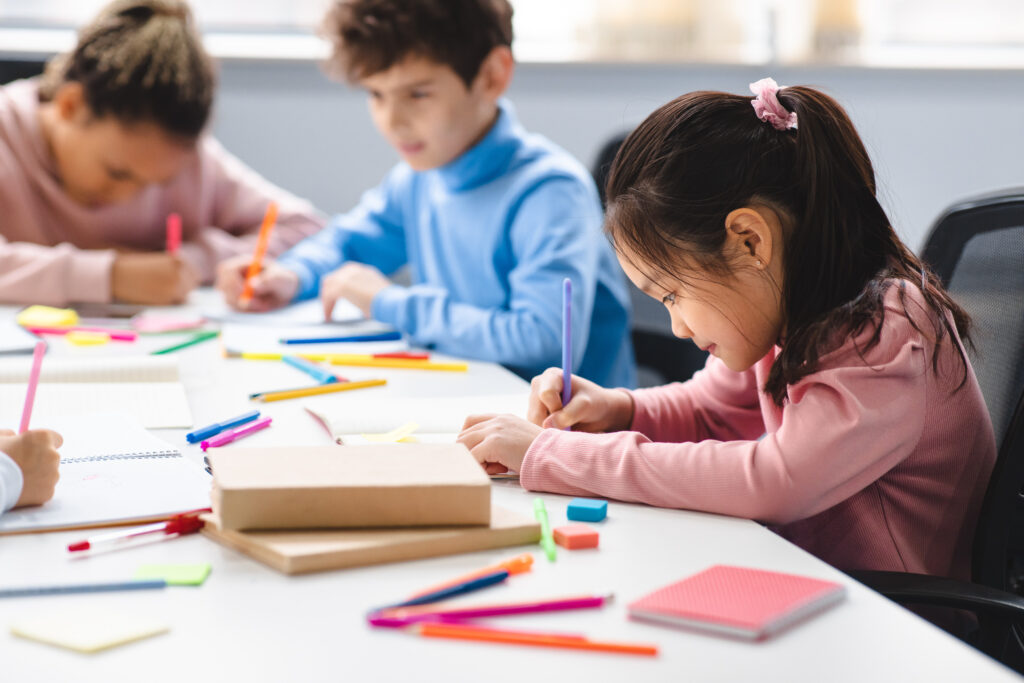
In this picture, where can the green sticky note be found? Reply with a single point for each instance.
(175, 574)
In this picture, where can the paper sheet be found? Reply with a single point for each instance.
(88, 630)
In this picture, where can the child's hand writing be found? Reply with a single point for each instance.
(35, 452)
(152, 278)
(591, 409)
(275, 286)
(357, 282)
(498, 442)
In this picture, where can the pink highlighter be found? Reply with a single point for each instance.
(235, 434)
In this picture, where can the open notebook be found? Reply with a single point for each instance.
(438, 419)
(145, 387)
(112, 471)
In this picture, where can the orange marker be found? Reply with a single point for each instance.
(466, 632)
(269, 219)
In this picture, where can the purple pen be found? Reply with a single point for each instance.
(566, 341)
(234, 434)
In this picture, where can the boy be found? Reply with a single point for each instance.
(490, 218)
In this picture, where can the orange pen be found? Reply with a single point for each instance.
(516, 565)
(269, 220)
(464, 632)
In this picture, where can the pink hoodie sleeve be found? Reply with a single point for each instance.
(842, 429)
(233, 205)
(53, 275)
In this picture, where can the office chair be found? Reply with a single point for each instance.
(13, 69)
(660, 356)
(977, 249)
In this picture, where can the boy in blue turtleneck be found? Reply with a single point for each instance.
(490, 218)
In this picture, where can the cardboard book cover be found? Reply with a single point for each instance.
(379, 485)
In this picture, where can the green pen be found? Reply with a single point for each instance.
(540, 513)
(196, 339)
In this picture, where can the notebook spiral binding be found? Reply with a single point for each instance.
(141, 455)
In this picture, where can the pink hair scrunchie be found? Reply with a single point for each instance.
(767, 106)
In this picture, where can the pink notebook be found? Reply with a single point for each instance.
(748, 603)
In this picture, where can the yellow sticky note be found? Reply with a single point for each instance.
(82, 338)
(46, 316)
(175, 574)
(401, 434)
(88, 631)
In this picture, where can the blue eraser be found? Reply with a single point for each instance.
(587, 510)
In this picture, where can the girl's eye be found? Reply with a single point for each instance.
(668, 299)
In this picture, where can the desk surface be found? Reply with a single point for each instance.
(248, 622)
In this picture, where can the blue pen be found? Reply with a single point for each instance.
(32, 591)
(566, 341)
(218, 427)
(379, 336)
(451, 591)
(310, 368)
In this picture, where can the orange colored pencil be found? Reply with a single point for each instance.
(462, 632)
(269, 220)
(515, 565)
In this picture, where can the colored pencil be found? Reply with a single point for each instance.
(31, 591)
(119, 335)
(196, 339)
(273, 355)
(566, 341)
(516, 565)
(371, 362)
(269, 219)
(464, 632)
(311, 369)
(377, 336)
(408, 615)
(318, 389)
(450, 591)
(33, 382)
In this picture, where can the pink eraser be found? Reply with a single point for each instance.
(576, 536)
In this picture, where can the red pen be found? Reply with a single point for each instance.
(178, 525)
(173, 233)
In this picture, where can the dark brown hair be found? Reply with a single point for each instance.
(140, 61)
(702, 155)
(370, 36)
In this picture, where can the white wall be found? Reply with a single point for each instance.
(934, 136)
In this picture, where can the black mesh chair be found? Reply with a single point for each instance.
(977, 249)
(660, 356)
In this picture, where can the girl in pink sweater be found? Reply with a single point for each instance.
(97, 153)
(838, 405)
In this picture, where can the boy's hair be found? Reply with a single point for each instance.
(370, 36)
(140, 61)
(681, 172)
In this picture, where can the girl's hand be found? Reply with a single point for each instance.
(35, 453)
(275, 286)
(498, 442)
(154, 279)
(591, 409)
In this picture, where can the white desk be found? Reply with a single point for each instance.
(249, 623)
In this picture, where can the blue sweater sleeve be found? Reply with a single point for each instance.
(554, 233)
(372, 233)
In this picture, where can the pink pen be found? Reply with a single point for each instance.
(33, 381)
(234, 434)
(397, 618)
(119, 335)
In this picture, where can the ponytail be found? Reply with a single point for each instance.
(140, 61)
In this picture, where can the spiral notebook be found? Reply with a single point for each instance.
(113, 472)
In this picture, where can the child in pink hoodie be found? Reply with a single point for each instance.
(838, 404)
(97, 153)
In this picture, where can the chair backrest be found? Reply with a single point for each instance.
(660, 356)
(977, 249)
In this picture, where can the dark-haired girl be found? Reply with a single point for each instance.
(95, 155)
(838, 404)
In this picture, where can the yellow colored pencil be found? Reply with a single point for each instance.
(319, 389)
(407, 363)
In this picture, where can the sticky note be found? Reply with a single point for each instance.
(175, 574)
(46, 316)
(401, 434)
(576, 536)
(587, 510)
(151, 322)
(82, 338)
(88, 631)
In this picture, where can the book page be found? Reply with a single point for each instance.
(107, 369)
(155, 405)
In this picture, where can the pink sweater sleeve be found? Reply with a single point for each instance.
(53, 275)
(716, 404)
(842, 429)
(232, 211)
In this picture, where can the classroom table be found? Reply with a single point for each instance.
(248, 622)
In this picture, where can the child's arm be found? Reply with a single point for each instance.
(234, 205)
(843, 429)
(33, 273)
(554, 234)
(28, 467)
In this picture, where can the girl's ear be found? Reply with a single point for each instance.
(496, 72)
(69, 101)
(753, 235)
